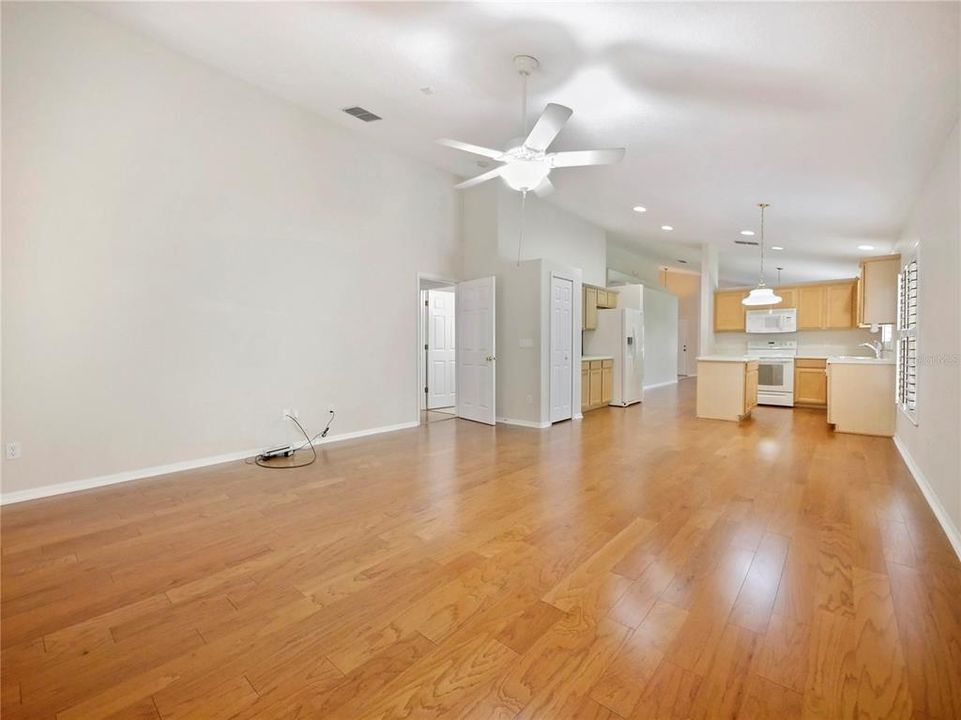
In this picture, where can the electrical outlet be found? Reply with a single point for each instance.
(14, 450)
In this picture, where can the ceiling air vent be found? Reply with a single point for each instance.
(745, 242)
(362, 114)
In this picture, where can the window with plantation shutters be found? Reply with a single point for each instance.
(907, 375)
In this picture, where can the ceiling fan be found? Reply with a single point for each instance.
(526, 164)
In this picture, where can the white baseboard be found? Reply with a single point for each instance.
(142, 473)
(944, 519)
(663, 384)
(523, 423)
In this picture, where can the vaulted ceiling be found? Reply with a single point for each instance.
(831, 112)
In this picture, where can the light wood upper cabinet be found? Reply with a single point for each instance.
(877, 302)
(820, 306)
(728, 311)
(839, 305)
(590, 308)
(810, 307)
(788, 297)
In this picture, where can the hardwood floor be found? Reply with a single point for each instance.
(638, 564)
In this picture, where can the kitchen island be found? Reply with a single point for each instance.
(726, 387)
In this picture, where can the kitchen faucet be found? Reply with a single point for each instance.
(876, 346)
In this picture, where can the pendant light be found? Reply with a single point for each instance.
(762, 294)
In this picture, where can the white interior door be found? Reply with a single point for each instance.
(683, 342)
(562, 332)
(441, 358)
(474, 327)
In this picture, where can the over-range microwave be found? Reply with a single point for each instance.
(773, 320)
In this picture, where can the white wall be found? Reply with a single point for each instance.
(550, 233)
(181, 258)
(555, 241)
(642, 269)
(815, 342)
(933, 232)
(660, 337)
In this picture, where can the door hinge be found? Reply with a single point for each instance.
(425, 390)
(425, 347)
(426, 303)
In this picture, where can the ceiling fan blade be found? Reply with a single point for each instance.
(467, 147)
(578, 158)
(545, 188)
(489, 175)
(547, 127)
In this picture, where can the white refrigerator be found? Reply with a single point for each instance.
(620, 334)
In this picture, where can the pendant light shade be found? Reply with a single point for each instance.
(761, 295)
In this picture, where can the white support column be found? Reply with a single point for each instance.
(709, 275)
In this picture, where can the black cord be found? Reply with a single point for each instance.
(263, 462)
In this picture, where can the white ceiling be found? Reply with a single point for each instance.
(832, 112)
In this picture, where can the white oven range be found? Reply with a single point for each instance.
(775, 372)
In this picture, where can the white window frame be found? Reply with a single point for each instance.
(907, 330)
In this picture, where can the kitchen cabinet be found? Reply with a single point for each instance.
(810, 307)
(861, 396)
(877, 290)
(726, 387)
(607, 381)
(597, 383)
(820, 306)
(810, 382)
(590, 308)
(839, 301)
(728, 311)
(826, 306)
(594, 298)
(788, 297)
(585, 386)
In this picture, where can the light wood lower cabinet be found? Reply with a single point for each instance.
(861, 398)
(597, 383)
(726, 389)
(810, 382)
(607, 381)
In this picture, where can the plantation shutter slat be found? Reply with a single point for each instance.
(908, 358)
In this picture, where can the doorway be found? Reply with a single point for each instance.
(562, 348)
(683, 343)
(437, 366)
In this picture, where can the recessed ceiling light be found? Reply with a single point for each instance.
(865, 247)
(666, 227)
(638, 208)
(776, 247)
(748, 233)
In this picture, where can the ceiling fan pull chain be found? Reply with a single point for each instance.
(520, 240)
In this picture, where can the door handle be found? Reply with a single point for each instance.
(491, 358)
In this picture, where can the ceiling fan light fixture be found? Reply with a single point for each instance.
(524, 175)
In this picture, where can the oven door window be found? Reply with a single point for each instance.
(770, 375)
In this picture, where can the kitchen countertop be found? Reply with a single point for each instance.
(587, 358)
(724, 358)
(858, 360)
